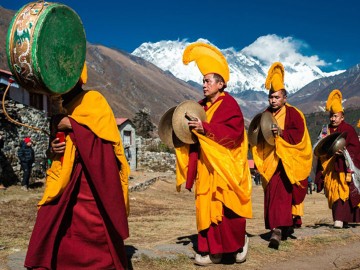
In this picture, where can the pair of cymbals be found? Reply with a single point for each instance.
(166, 132)
(260, 129)
(330, 144)
(174, 129)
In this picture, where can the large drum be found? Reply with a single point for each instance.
(46, 47)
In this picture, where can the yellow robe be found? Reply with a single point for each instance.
(92, 110)
(296, 158)
(335, 185)
(223, 178)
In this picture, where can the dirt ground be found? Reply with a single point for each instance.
(163, 232)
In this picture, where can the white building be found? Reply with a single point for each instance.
(128, 136)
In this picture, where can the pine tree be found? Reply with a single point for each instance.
(143, 124)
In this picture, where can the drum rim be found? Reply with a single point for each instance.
(44, 79)
(41, 78)
(9, 33)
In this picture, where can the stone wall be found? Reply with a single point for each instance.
(149, 152)
(151, 156)
(13, 134)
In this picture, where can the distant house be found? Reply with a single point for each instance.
(19, 94)
(251, 164)
(128, 136)
(42, 102)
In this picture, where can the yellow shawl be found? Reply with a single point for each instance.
(92, 110)
(223, 178)
(335, 185)
(296, 159)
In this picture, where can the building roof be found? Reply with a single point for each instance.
(4, 78)
(5, 71)
(251, 164)
(120, 121)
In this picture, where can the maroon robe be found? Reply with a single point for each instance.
(86, 226)
(226, 128)
(280, 194)
(344, 211)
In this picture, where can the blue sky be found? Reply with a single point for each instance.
(327, 30)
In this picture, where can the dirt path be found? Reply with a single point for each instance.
(316, 245)
(344, 257)
(163, 232)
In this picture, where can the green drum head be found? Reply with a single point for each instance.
(59, 48)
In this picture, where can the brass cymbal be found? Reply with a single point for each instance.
(266, 123)
(330, 144)
(254, 130)
(165, 130)
(180, 122)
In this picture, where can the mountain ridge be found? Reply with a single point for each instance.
(246, 71)
(131, 83)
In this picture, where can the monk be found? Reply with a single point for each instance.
(286, 165)
(334, 174)
(82, 217)
(217, 165)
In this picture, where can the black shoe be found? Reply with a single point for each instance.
(275, 239)
(286, 232)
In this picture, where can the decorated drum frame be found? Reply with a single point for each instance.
(43, 60)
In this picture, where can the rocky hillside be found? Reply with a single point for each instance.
(312, 97)
(5, 18)
(128, 82)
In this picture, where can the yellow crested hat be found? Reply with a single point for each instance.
(84, 76)
(333, 103)
(358, 124)
(275, 78)
(208, 59)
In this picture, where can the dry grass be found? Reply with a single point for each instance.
(162, 216)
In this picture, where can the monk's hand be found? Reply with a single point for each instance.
(195, 123)
(276, 130)
(57, 147)
(339, 152)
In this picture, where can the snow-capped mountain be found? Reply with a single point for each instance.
(248, 71)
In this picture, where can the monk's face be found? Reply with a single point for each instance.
(211, 87)
(277, 99)
(336, 119)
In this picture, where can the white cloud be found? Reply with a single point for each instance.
(272, 48)
(339, 60)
